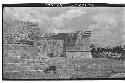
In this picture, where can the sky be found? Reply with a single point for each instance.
(106, 23)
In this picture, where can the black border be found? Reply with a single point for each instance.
(57, 5)
(63, 5)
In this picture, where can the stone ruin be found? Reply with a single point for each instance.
(70, 45)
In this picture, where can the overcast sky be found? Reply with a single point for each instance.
(106, 23)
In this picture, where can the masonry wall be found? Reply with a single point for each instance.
(18, 57)
(81, 49)
(76, 54)
(80, 45)
(48, 46)
(21, 59)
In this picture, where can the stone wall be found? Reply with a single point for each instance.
(51, 46)
(84, 55)
(80, 45)
(18, 58)
(81, 48)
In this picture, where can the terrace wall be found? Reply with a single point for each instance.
(77, 54)
(47, 46)
(21, 58)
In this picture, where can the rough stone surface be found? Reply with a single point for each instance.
(25, 63)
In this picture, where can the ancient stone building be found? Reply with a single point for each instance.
(81, 46)
(50, 46)
(73, 45)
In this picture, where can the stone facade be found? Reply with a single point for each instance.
(81, 48)
(74, 45)
(48, 46)
(84, 55)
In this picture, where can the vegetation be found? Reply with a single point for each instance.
(117, 52)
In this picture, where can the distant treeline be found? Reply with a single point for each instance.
(117, 52)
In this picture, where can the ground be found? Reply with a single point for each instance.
(73, 69)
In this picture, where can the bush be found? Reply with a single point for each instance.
(50, 68)
(110, 53)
